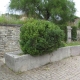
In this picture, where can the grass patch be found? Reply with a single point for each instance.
(10, 20)
(73, 43)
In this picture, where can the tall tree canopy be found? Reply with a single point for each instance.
(58, 11)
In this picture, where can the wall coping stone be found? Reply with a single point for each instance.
(11, 25)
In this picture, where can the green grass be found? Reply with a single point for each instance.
(74, 43)
(10, 20)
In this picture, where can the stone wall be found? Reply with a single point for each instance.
(9, 39)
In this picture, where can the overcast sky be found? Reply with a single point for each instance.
(77, 6)
(4, 6)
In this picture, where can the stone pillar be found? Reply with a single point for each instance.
(69, 33)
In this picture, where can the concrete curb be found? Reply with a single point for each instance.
(20, 63)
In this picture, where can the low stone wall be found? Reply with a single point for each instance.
(65, 52)
(20, 63)
(9, 38)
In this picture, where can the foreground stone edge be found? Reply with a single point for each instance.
(21, 63)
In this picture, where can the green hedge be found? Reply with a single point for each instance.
(38, 37)
(79, 25)
(64, 28)
(74, 33)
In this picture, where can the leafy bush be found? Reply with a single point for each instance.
(74, 33)
(38, 37)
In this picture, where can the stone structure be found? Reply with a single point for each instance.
(20, 63)
(69, 33)
(9, 39)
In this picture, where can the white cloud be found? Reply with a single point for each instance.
(77, 6)
(4, 6)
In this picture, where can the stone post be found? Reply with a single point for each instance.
(69, 33)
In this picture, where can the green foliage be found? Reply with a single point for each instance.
(38, 37)
(64, 28)
(14, 15)
(58, 11)
(10, 20)
(79, 25)
(74, 33)
(73, 43)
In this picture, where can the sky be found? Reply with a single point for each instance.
(77, 6)
(4, 6)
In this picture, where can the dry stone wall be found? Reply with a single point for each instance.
(9, 39)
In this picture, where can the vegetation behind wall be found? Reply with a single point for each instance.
(74, 33)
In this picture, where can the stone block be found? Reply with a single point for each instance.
(9, 38)
(20, 63)
(75, 50)
(60, 53)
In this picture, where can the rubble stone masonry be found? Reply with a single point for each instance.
(9, 39)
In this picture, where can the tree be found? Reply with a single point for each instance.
(58, 11)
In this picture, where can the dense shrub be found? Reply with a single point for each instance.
(74, 33)
(38, 37)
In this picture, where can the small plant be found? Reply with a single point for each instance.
(39, 37)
